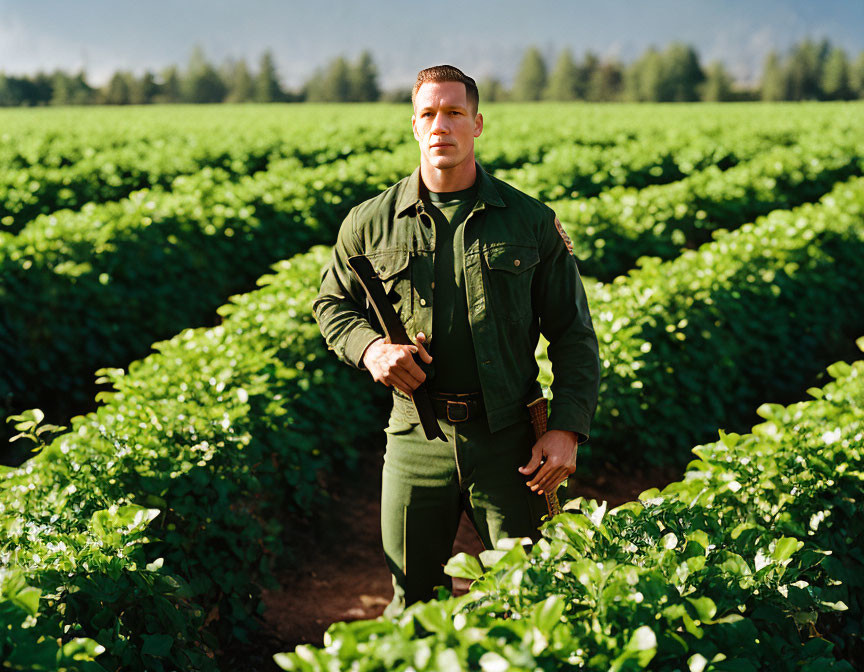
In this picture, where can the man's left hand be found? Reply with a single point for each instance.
(558, 447)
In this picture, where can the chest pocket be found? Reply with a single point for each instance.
(394, 268)
(511, 268)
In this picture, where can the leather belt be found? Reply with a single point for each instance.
(457, 406)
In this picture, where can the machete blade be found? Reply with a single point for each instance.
(395, 331)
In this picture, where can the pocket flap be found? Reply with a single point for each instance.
(512, 257)
(390, 262)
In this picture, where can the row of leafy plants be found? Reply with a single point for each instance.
(219, 432)
(96, 287)
(211, 439)
(81, 290)
(113, 172)
(60, 161)
(611, 231)
(526, 134)
(695, 343)
(61, 138)
(128, 525)
(753, 561)
(116, 172)
(144, 532)
(577, 171)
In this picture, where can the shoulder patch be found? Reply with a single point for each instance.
(564, 236)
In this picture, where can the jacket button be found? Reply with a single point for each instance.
(433, 285)
(422, 302)
(516, 262)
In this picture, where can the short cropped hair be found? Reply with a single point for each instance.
(448, 73)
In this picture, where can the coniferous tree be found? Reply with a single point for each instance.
(491, 90)
(7, 95)
(605, 83)
(168, 86)
(60, 88)
(241, 87)
(682, 76)
(835, 76)
(80, 92)
(804, 70)
(333, 85)
(15, 91)
(563, 81)
(363, 80)
(718, 83)
(143, 90)
(588, 68)
(643, 80)
(267, 86)
(775, 83)
(41, 89)
(856, 77)
(201, 82)
(117, 91)
(531, 78)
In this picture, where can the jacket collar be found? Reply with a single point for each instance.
(411, 196)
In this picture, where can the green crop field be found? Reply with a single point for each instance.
(159, 356)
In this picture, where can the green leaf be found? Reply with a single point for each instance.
(700, 537)
(29, 418)
(641, 648)
(643, 639)
(111, 524)
(463, 566)
(447, 661)
(82, 648)
(834, 606)
(769, 411)
(157, 645)
(491, 557)
(28, 599)
(597, 514)
(839, 369)
(697, 662)
(155, 565)
(493, 662)
(547, 614)
(705, 607)
(434, 617)
(785, 548)
(729, 440)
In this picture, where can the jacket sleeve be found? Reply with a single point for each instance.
(339, 306)
(565, 322)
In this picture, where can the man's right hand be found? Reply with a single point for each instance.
(394, 365)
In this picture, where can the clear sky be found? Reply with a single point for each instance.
(482, 37)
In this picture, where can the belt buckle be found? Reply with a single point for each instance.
(464, 404)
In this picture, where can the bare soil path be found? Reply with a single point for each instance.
(343, 575)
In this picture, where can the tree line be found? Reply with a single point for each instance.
(199, 82)
(810, 70)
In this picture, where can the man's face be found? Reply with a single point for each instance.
(444, 124)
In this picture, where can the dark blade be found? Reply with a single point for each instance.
(395, 331)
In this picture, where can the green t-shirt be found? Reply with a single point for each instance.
(455, 361)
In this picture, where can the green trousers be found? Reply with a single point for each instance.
(427, 484)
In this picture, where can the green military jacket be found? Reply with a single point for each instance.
(521, 280)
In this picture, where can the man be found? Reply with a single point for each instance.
(476, 271)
